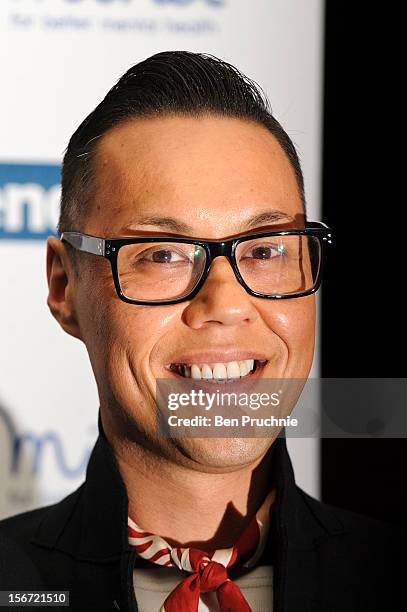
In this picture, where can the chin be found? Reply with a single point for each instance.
(222, 453)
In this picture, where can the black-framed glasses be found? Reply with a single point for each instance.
(167, 270)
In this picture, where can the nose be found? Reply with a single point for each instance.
(221, 299)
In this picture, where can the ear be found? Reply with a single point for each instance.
(61, 280)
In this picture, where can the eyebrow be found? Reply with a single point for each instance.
(176, 225)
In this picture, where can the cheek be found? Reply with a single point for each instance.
(118, 334)
(125, 329)
(293, 322)
(131, 332)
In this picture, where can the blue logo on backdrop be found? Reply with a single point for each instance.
(29, 201)
(34, 446)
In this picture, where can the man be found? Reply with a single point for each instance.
(184, 148)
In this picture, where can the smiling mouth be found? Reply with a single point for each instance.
(219, 372)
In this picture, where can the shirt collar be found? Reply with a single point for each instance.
(246, 551)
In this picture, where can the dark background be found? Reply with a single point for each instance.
(363, 298)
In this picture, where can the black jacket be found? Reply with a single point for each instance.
(325, 559)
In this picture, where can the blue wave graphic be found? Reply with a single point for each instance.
(36, 445)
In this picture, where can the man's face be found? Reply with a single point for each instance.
(212, 174)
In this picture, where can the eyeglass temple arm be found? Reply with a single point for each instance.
(320, 224)
(82, 242)
(316, 224)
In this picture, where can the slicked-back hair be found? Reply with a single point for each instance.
(169, 83)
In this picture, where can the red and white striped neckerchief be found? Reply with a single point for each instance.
(208, 570)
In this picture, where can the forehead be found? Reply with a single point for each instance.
(210, 172)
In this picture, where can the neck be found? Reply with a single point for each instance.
(187, 507)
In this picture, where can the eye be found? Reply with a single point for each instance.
(264, 251)
(163, 255)
(166, 256)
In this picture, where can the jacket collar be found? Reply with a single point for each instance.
(91, 523)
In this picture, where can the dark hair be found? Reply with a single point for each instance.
(171, 82)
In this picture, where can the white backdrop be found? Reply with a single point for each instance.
(58, 58)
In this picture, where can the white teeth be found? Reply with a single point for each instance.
(217, 371)
(243, 368)
(195, 371)
(250, 364)
(233, 370)
(206, 371)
